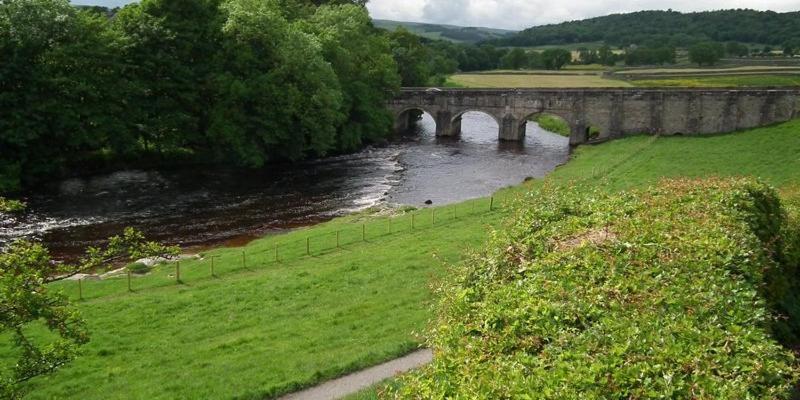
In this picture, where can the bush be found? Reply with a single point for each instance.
(139, 269)
(669, 292)
(10, 206)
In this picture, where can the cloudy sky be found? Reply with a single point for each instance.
(519, 14)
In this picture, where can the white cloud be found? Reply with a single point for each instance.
(520, 14)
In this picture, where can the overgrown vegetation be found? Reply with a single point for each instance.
(11, 206)
(675, 291)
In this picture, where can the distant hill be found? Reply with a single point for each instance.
(666, 27)
(447, 32)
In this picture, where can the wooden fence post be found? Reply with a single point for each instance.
(178, 272)
(491, 203)
(308, 246)
(412, 222)
(80, 289)
(129, 281)
(363, 232)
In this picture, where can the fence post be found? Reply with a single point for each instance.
(455, 211)
(491, 203)
(363, 232)
(308, 246)
(129, 281)
(80, 289)
(178, 272)
(412, 222)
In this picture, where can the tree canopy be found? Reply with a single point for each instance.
(240, 82)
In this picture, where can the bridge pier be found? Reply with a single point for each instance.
(578, 134)
(511, 129)
(445, 126)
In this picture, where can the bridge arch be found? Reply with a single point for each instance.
(407, 117)
(456, 121)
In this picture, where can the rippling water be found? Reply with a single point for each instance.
(203, 207)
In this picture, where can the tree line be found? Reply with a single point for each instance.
(667, 28)
(240, 82)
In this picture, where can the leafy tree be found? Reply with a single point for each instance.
(706, 53)
(587, 57)
(278, 98)
(28, 306)
(735, 49)
(606, 56)
(556, 58)
(365, 69)
(410, 56)
(515, 59)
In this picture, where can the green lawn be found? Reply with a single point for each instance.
(263, 328)
(533, 80)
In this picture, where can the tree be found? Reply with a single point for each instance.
(410, 56)
(606, 56)
(365, 69)
(277, 97)
(556, 58)
(706, 53)
(736, 49)
(28, 306)
(515, 59)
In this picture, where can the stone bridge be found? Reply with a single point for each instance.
(607, 113)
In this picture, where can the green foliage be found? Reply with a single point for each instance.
(706, 53)
(237, 82)
(139, 268)
(553, 124)
(668, 28)
(665, 292)
(556, 58)
(11, 206)
(650, 56)
(515, 59)
(25, 301)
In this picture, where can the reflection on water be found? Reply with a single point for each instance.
(198, 207)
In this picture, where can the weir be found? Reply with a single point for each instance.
(609, 113)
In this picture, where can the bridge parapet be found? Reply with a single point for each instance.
(610, 113)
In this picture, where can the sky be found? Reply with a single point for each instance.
(520, 14)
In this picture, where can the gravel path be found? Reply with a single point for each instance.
(355, 382)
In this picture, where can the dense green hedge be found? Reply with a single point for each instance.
(679, 291)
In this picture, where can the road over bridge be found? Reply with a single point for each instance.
(606, 113)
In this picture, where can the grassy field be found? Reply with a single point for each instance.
(262, 328)
(530, 80)
(722, 81)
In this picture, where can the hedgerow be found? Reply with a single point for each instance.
(682, 290)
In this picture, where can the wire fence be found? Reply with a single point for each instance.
(276, 251)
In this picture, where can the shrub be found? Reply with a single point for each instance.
(139, 269)
(669, 292)
(10, 206)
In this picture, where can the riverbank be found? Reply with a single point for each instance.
(262, 329)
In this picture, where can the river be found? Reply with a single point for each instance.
(203, 207)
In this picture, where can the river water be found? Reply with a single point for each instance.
(196, 207)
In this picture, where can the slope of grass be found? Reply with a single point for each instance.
(263, 328)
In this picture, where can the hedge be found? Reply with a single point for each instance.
(681, 291)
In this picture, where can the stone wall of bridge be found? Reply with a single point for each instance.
(612, 112)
